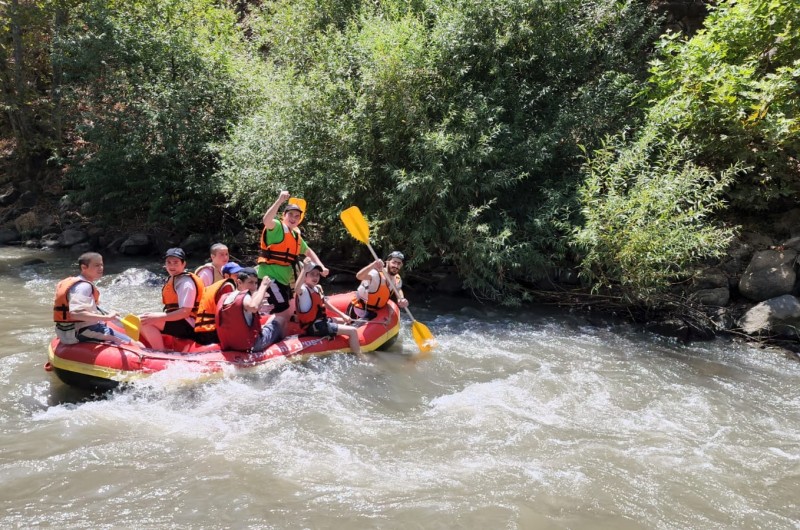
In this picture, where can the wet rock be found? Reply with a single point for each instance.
(711, 279)
(137, 244)
(670, 327)
(8, 235)
(8, 195)
(80, 248)
(72, 237)
(28, 199)
(780, 315)
(717, 297)
(33, 261)
(195, 243)
(769, 274)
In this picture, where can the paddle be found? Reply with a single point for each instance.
(301, 203)
(131, 323)
(355, 223)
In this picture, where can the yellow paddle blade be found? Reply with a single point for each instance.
(301, 203)
(356, 224)
(132, 324)
(423, 337)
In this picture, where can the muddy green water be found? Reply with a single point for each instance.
(533, 420)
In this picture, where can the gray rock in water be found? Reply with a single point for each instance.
(780, 315)
(769, 274)
(137, 244)
(670, 327)
(71, 237)
(717, 297)
(196, 244)
(8, 235)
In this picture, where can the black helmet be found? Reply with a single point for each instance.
(396, 255)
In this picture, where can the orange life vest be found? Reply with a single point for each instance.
(317, 311)
(283, 253)
(377, 299)
(206, 321)
(170, 297)
(61, 303)
(217, 274)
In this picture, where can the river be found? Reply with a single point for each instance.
(519, 420)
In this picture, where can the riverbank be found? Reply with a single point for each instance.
(751, 293)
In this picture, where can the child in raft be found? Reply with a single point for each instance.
(310, 309)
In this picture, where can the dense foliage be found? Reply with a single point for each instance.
(732, 90)
(726, 98)
(454, 125)
(504, 138)
(150, 85)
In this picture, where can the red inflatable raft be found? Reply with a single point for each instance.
(103, 366)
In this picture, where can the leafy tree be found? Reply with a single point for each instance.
(454, 125)
(732, 90)
(150, 86)
(649, 212)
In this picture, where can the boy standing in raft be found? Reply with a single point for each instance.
(212, 272)
(205, 329)
(281, 245)
(75, 311)
(238, 323)
(181, 297)
(375, 291)
(310, 303)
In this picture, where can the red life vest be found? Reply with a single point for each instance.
(169, 296)
(61, 303)
(232, 329)
(317, 311)
(284, 252)
(206, 320)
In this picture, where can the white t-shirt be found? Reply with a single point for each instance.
(304, 301)
(372, 283)
(186, 290)
(206, 274)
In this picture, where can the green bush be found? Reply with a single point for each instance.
(151, 85)
(454, 125)
(649, 212)
(732, 90)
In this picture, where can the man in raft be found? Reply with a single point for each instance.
(181, 297)
(212, 272)
(238, 323)
(205, 325)
(375, 290)
(75, 311)
(281, 245)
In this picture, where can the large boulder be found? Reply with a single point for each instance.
(8, 235)
(779, 316)
(72, 236)
(196, 244)
(770, 274)
(137, 244)
(717, 297)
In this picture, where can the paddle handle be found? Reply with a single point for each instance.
(390, 280)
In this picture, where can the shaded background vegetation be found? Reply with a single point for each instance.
(505, 139)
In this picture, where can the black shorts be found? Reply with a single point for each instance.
(323, 328)
(206, 337)
(179, 328)
(279, 295)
